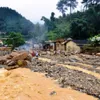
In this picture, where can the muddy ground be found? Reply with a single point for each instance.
(80, 72)
(67, 77)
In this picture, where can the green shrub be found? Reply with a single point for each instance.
(90, 49)
(95, 41)
(14, 40)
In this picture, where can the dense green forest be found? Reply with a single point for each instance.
(78, 25)
(82, 24)
(12, 21)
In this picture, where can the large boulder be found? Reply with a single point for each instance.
(22, 63)
(11, 63)
(16, 59)
(2, 59)
(13, 54)
(29, 57)
(20, 56)
(98, 54)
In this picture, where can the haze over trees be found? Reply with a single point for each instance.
(12, 21)
(77, 25)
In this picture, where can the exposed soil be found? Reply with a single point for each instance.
(78, 80)
(72, 72)
(23, 84)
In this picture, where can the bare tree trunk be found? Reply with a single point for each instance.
(70, 11)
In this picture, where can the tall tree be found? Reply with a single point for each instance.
(50, 23)
(47, 23)
(52, 17)
(63, 5)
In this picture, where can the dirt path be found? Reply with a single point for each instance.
(23, 84)
(97, 75)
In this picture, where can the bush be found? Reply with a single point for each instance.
(14, 40)
(95, 41)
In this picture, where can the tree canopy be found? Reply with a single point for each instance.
(63, 5)
(14, 40)
(12, 21)
(78, 25)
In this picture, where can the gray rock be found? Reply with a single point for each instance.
(53, 93)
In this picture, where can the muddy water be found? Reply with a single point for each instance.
(23, 84)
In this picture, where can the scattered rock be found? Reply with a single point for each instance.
(11, 63)
(76, 58)
(2, 60)
(98, 54)
(11, 67)
(20, 58)
(66, 77)
(53, 93)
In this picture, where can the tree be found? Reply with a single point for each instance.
(93, 18)
(52, 18)
(79, 29)
(12, 21)
(2, 25)
(63, 5)
(49, 23)
(89, 3)
(14, 40)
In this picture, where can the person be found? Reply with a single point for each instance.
(36, 54)
(31, 51)
(33, 54)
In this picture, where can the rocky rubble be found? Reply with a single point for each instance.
(67, 77)
(89, 62)
(81, 58)
(4, 51)
(16, 59)
(98, 54)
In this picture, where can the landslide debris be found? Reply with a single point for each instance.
(67, 77)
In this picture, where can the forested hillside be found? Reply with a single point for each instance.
(12, 21)
(78, 25)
